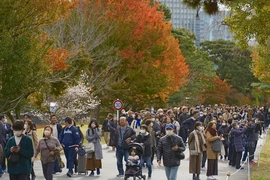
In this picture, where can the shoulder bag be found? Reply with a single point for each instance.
(90, 147)
(216, 146)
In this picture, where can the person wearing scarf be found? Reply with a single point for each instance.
(212, 156)
(196, 144)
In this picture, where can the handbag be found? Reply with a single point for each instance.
(90, 148)
(81, 151)
(193, 153)
(180, 155)
(14, 158)
(216, 146)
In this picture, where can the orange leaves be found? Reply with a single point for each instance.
(218, 92)
(56, 59)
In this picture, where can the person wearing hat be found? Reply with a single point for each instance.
(144, 137)
(168, 146)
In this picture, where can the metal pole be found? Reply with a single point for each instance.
(117, 115)
(248, 166)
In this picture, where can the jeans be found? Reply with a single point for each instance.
(147, 160)
(120, 153)
(48, 170)
(204, 157)
(171, 172)
(69, 153)
(245, 154)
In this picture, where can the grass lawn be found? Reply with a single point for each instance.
(263, 171)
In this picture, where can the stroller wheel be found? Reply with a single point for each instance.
(144, 177)
(125, 178)
(134, 178)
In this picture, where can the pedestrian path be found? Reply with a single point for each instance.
(109, 169)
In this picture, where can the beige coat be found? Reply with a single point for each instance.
(33, 135)
(209, 141)
(195, 161)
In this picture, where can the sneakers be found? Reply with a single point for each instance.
(211, 178)
(252, 163)
(203, 168)
(119, 175)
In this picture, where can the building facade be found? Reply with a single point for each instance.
(205, 27)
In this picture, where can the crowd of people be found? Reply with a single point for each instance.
(209, 133)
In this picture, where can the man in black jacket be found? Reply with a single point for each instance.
(144, 137)
(124, 135)
(168, 146)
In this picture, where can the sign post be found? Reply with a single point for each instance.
(117, 105)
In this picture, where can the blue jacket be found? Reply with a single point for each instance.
(70, 137)
(238, 139)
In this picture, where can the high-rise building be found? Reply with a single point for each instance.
(205, 27)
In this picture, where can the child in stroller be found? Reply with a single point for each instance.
(134, 162)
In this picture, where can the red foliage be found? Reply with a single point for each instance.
(145, 37)
(217, 93)
(56, 59)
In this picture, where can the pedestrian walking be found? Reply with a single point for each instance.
(106, 128)
(212, 156)
(144, 138)
(48, 147)
(19, 150)
(70, 140)
(168, 147)
(197, 145)
(30, 131)
(124, 135)
(93, 135)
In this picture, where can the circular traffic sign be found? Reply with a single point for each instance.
(118, 104)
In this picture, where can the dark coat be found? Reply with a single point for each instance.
(2, 134)
(251, 133)
(129, 133)
(189, 124)
(146, 142)
(183, 117)
(224, 132)
(113, 127)
(105, 126)
(9, 131)
(165, 146)
(26, 153)
(238, 139)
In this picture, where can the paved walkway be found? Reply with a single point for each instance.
(109, 170)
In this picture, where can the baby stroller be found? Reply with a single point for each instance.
(135, 170)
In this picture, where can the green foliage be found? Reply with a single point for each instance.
(233, 64)
(249, 20)
(201, 68)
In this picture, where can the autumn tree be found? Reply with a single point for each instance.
(23, 49)
(152, 64)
